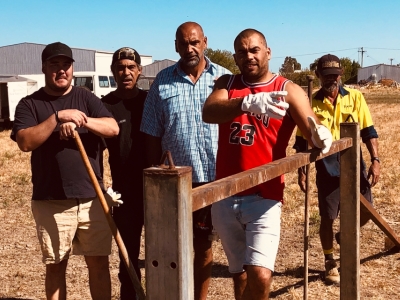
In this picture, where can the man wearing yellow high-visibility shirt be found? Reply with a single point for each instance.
(334, 104)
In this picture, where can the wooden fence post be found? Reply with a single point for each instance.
(350, 214)
(310, 79)
(168, 233)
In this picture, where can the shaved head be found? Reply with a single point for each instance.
(190, 43)
(247, 33)
(252, 55)
(188, 25)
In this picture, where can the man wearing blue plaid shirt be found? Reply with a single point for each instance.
(172, 120)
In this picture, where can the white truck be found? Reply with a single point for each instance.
(99, 84)
(13, 88)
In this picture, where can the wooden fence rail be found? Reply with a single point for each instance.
(169, 202)
(215, 191)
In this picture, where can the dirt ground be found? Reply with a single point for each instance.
(22, 272)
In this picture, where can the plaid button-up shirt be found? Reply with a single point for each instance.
(173, 112)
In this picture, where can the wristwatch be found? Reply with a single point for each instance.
(375, 158)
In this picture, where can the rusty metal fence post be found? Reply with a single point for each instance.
(168, 233)
(350, 214)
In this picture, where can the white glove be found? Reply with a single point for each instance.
(320, 135)
(266, 104)
(113, 198)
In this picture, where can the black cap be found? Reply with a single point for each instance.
(329, 64)
(126, 53)
(56, 49)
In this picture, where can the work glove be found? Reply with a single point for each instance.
(113, 198)
(320, 135)
(266, 104)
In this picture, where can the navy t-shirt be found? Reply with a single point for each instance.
(126, 151)
(58, 171)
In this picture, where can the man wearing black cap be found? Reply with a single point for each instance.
(334, 104)
(127, 157)
(69, 218)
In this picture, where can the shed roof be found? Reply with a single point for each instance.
(151, 70)
(14, 79)
(77, 48)
(25, 59)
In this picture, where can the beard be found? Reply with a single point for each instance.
(330, 86)
(52, 85)
(191, 61)
(256, 75)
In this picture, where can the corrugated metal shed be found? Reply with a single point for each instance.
(25, 59)
(378, 72)
(150, 71)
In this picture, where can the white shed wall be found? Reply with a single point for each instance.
(146, 60)
(103, 62)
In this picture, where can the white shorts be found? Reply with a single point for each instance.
(249, 228)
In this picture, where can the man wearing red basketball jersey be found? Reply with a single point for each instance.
(256, 112)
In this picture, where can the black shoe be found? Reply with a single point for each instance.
(337, 237)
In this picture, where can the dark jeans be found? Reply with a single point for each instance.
(129, 220)
(202, 225)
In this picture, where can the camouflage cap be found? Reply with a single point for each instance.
(126, 53)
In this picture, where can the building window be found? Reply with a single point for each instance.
(103, 81)
(112, 82)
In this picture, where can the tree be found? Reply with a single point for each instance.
(289, 66)
(351, 76)
(313, 66)
(354, 68)
(223, 58)
(300, 78)
(346, 65)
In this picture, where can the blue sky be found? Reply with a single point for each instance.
(304, 30)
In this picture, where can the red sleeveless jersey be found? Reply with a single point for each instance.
(249, 140)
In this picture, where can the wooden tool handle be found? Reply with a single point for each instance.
(118, 239)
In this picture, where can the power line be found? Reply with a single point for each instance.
(372, 59)
(297, 55)
(380, 48)
(324, 52)
(352, 55)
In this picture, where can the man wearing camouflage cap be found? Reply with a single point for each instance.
(127, 157)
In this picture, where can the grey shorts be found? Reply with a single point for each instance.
(249, 228)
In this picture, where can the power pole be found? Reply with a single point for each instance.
(362, 55)
(391, 59)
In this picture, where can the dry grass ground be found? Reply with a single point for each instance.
(22, 272)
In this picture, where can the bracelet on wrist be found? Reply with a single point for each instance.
(375, 158)
(56, 114)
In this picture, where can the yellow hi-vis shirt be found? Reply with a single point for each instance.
(349, 102)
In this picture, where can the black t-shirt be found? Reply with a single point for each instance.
(58, 171)
(126, 151)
